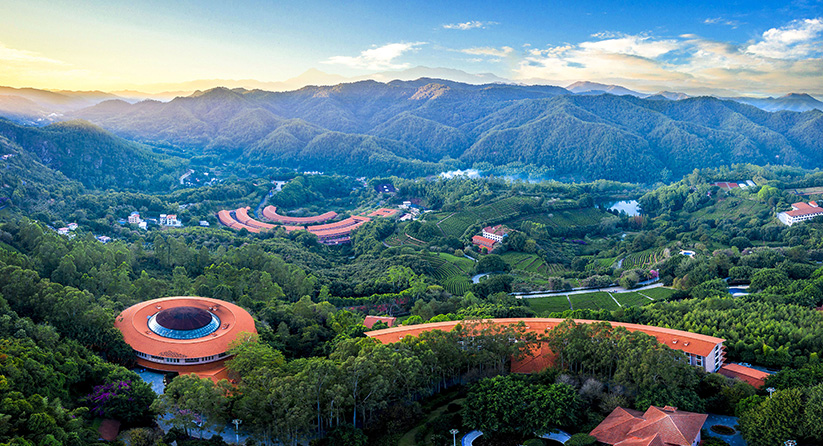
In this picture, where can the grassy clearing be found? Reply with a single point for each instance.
(594, 301)
(548, 304)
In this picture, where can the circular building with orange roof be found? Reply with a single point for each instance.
(184, 334)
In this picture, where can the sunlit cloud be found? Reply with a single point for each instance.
(13, 55)
(468, 25)
(781, 60)
(377, 58)
(489, 51)
(799, 39)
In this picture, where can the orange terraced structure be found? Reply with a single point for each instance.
(329, 233)
(184, 334)
(270, 212)
(694, 345)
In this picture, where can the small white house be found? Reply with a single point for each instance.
(72, 226)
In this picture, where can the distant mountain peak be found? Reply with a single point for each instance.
(429, 91)
(584, 87)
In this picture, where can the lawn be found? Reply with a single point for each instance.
(594, 301)
(548, 304)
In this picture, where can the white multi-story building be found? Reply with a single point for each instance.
(134, 218)
(169, 220)
(800, 212)
(495, 233)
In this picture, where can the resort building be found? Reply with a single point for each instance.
(755, 377)
(170, 220)
(800, 212)
(658, 426)
(184, 334)
(495, 233)
(134, 218)
(706, 352)
(483, 242)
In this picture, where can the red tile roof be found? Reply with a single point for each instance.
(371, 320)
(752, 376)
(270, 212)
(133, 323)
(657, 426)
(541, 357)
(483, 241)
(496, 230)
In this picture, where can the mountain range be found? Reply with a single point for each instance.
(421, 126)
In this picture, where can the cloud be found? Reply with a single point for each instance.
(469, 25)
(783, 59)
(13, 55)
(377, 58)
(721, 21)
(489, 51)
(799, 39)
(642, 46)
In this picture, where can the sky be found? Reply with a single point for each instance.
(698, 47)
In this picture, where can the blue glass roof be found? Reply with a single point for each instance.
(205, 330)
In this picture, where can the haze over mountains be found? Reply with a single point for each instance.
(422, 126)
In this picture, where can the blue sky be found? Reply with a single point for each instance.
(749, 47)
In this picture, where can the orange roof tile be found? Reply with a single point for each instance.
(270, 212)
(484, 241)
(752, 376)
(694, 343)
(657, 425)
(133, 323)
(371, 320)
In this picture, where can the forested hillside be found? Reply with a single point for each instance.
(85, 153)
(365, 127)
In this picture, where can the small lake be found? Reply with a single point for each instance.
(631, 208)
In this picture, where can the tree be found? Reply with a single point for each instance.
(506, 405)
(195, 403)
(492, 263)
(775, 420)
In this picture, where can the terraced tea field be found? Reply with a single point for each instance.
(452, 272)
(631, 299)
(455, 224)
(644, 258)
(552, 304)
(658, 293)
(594, 301)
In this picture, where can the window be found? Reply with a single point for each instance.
(174, 360)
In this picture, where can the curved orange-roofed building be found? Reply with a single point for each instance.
(184, 334)
(706, 352)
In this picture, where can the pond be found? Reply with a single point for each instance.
(631, 207)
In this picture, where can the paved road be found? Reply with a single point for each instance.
(469, 438)
(613, 289)
(476, 278)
